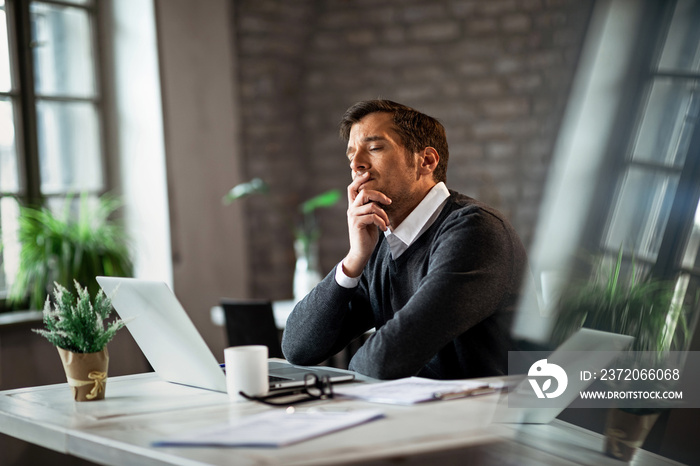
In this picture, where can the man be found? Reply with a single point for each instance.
(438, 285)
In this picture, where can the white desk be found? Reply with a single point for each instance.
(140, 409)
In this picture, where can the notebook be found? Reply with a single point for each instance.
(174, 347)
(584, 349)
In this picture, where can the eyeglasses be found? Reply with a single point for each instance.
(314, 388)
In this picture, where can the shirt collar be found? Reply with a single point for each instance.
(418, 221)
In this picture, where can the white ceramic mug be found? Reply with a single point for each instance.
(246, 371)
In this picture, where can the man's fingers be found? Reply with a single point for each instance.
(363, 221)
(367, 214)
(354, 187)
(364, 207)
(366, 196)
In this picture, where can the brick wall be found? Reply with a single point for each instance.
(496, 73)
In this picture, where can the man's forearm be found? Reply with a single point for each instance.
(321, 324)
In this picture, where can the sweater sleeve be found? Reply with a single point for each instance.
(472, 272)
(325, 321)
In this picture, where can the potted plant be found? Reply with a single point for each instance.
(630, 303)
(65, 248)
(306, 231)
(78, 328)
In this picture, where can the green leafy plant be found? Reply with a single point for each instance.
(254, 186)
(64, 248)
(306, 230)
(77, 324)
(626, 303)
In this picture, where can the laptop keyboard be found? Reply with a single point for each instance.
(274, 378)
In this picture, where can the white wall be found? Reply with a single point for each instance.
(173, 147)
(200, 125)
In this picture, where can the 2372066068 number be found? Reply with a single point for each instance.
(639, 374)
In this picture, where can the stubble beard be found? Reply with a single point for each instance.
(402, 202)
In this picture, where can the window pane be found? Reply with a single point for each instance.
(69, 147)
(9, 257)
(58, 205)
(8, 154)
(691, 255)
(5, 81)
(63, 55)
(641, 212)
(669, 118)
(682, 47)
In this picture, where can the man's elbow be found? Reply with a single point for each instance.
(295, 354)
(378, 370)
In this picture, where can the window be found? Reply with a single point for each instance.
(50, 111)
(656, 213)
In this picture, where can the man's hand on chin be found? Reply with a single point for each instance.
(365, 214)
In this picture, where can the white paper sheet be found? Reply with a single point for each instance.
(273, 428)
(412, 390)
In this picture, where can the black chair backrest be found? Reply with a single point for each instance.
(252, 323)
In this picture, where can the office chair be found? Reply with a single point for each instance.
(252, 323)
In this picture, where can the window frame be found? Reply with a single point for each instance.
(667, 265)
(25, 100)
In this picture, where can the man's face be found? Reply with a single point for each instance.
(375, 147)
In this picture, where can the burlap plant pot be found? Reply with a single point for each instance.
(626, 432)
(86, 373)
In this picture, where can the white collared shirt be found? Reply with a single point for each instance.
(417, 222)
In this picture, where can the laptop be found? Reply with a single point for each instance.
(174, 347)
(584, 350)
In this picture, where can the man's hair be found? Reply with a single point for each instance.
(416, 130)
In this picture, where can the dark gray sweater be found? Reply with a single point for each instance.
(441, 310)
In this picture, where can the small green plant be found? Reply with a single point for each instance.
(77, 324)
